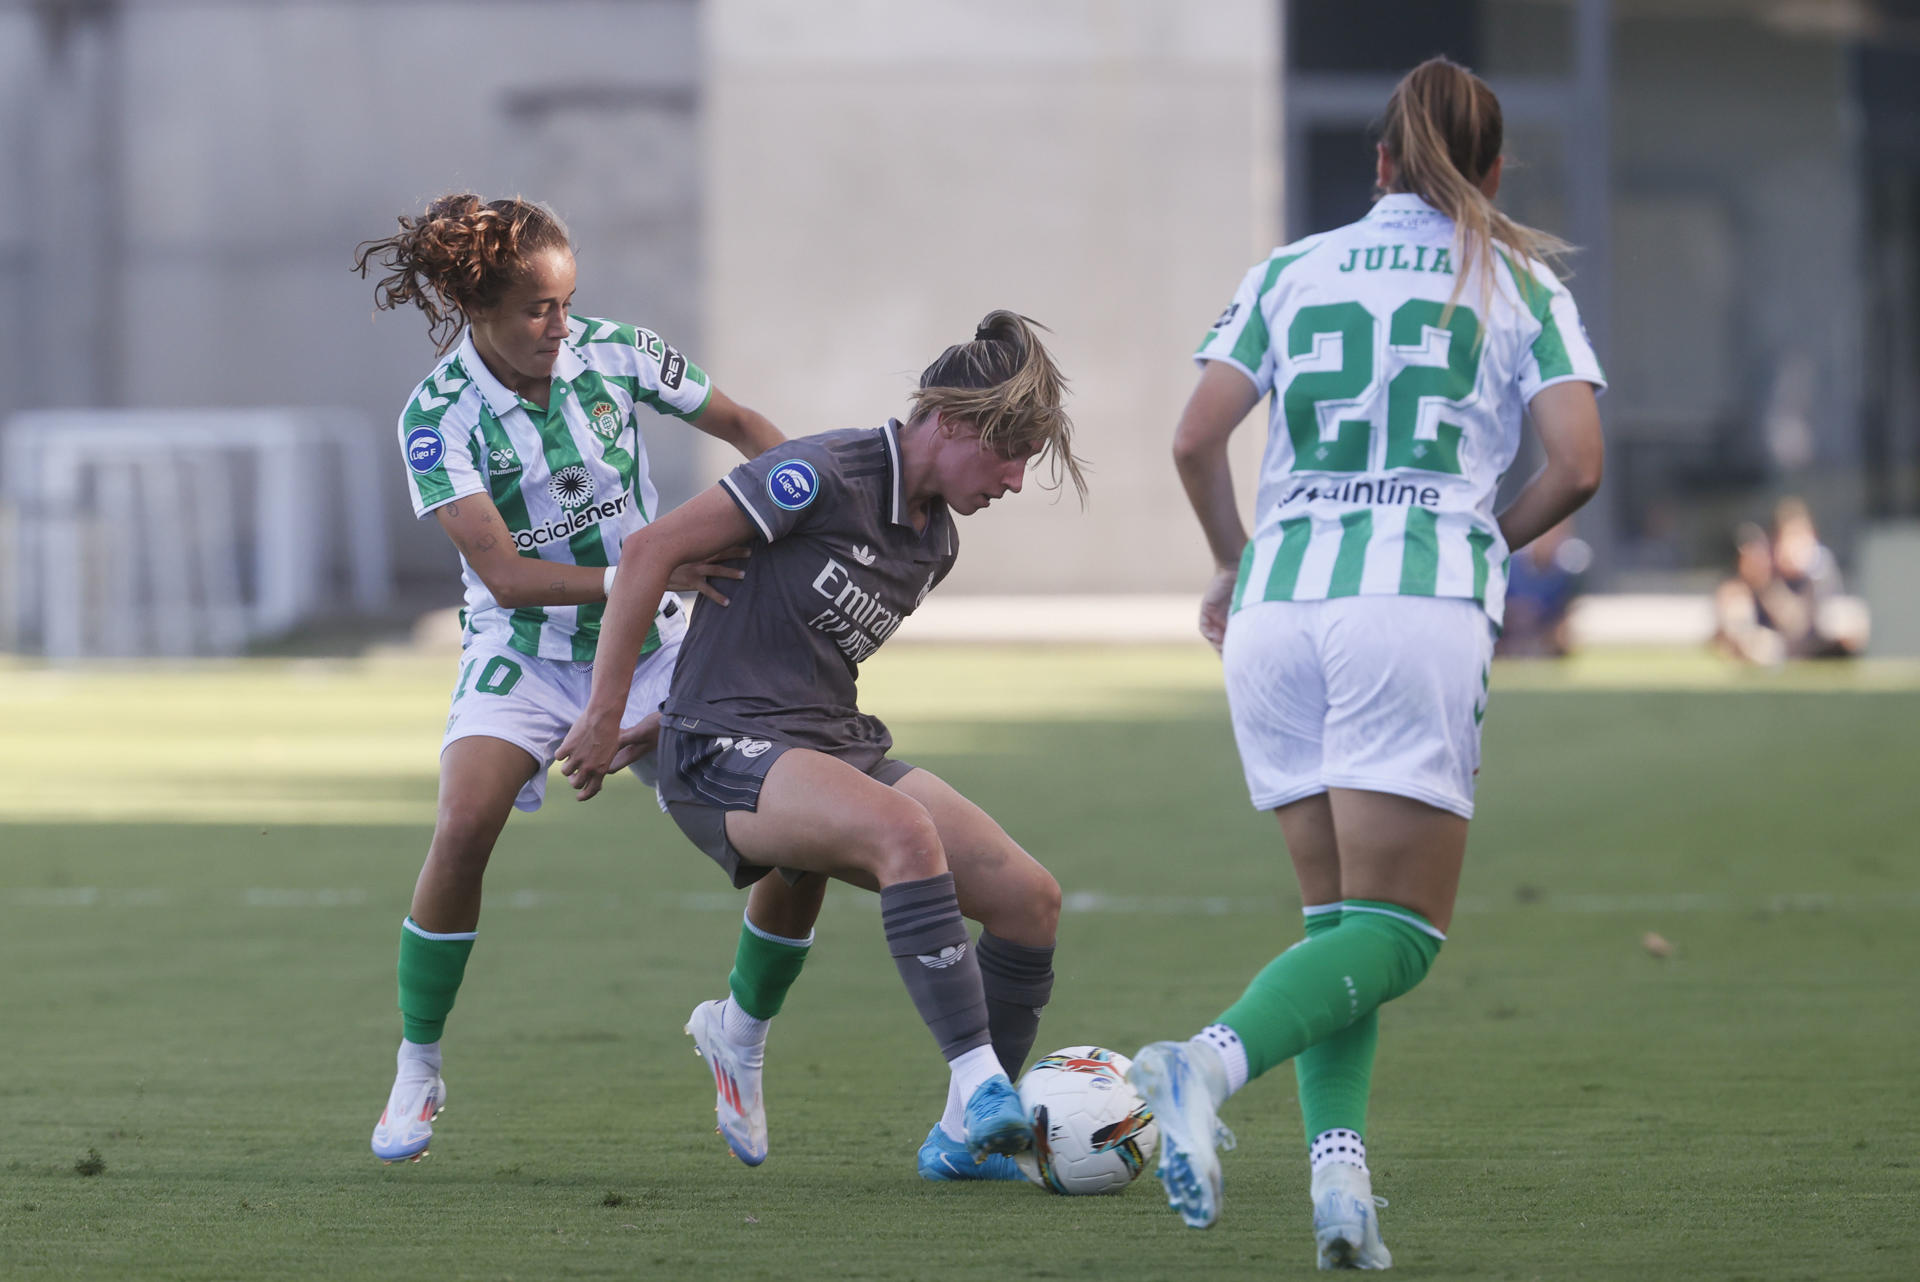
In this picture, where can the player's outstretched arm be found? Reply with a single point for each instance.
(477, 529)
(1218, 404)
(699, 530)
(749, 431)
(1567, 420)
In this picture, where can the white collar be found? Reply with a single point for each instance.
(1402, 203)
(502, 400)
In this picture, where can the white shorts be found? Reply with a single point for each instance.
(532, 703)
(1382, 693)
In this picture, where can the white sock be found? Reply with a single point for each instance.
(740, 1027)
(970, 1071)
(1338, 1145)
(1233, 1056)
(418, 1059)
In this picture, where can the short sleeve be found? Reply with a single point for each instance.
(436, 432)
(786, 488)
(661, 374)
(1558, 350)
(1240, 336)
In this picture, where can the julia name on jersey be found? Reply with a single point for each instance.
(1399, 258)
(1377, 490)
(857, 620)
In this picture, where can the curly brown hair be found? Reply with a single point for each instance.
(459, 258)
(1005, 384)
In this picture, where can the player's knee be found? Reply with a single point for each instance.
(1043, 903)
(462, 845)
(905, 844)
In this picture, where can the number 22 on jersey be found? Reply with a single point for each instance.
(1355, 329)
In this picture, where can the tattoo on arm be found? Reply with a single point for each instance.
(485, 543)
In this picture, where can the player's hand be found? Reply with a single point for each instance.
(1214, 603)
(696, 576)
(636, 741)
(586, 754)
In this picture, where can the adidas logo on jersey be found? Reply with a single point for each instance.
(863, 554)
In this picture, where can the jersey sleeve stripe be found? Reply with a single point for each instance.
(740, 501)
(693, 415)
(1549, 350)
(1251, 347)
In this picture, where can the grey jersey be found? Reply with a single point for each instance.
(837, 567)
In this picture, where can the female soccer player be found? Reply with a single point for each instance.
(523, 442)
(1357, 624)
(767, 763)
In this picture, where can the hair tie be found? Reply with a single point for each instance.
(980, 334)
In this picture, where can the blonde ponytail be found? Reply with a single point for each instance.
(1443, 131)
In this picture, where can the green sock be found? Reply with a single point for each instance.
(1328, 981)
(764, 968)
(1335, 1075)
(431, 967)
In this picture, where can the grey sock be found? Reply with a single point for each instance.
(928, 941)
(1017, 981)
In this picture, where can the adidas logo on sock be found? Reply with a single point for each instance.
(944, 958)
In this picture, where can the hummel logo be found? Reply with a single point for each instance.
(948, 956)
(863, 554)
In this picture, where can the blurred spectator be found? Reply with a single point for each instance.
(1543, 578)
(1770, 611)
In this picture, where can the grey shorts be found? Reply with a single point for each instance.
(703, 776)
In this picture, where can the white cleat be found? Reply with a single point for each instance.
(1345, 1228)
(1173, 1083)
(741, 1113)
(406, 1127)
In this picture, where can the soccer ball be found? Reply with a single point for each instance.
(1092, 1133)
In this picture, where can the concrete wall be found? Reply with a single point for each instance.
(879, 176)
(198, 173)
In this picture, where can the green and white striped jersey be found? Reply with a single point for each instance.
(1393, 419)
(570, 480)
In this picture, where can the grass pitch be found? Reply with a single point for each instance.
(203, 870)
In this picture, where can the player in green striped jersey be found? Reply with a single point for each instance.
(1356, 624)
(524, 444)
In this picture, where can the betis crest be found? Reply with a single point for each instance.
(605, 419)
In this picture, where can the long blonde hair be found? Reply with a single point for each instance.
(1443, 131)
(1005, 384)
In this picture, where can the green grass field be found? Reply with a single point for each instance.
(203, 871)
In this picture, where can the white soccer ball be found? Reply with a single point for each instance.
(1092, 1133)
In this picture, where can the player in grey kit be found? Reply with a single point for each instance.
(766, 761)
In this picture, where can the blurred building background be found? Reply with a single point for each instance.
(813, 199)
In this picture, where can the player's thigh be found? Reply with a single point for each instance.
(1307, 827)
(480, 777)
(1277, 698)
(1399, 850)
(817, 814)
(996, 880)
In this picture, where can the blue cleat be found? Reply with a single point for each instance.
(1182, 1102)
(942, 1158)
(996, 1120)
